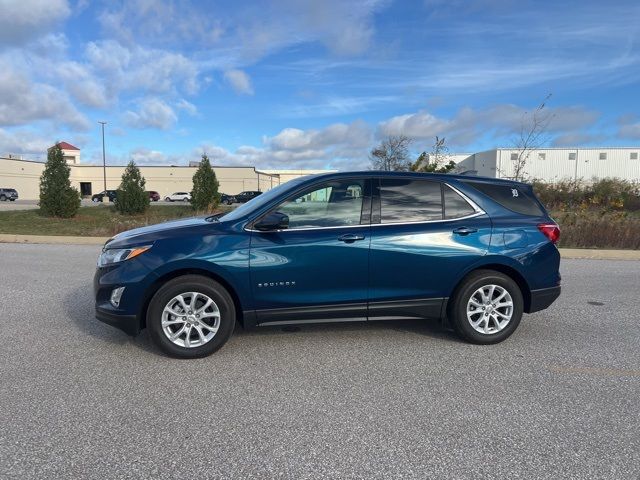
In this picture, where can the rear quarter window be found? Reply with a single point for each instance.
(515, 197)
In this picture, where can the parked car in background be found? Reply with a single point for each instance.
(351, 246)
(154, 196)
(178, 197)
(244, 197)
(227, 199)
(110, 194)
(10, 194)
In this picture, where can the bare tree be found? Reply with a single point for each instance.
(437, 161)
(532, 136)
(391, 154)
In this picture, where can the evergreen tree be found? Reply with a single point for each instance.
(204, 196)
(57, 197)
(132, 197)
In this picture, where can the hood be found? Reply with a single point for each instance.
(151, 233)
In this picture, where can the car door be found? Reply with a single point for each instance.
(317, 268)
(424, 234)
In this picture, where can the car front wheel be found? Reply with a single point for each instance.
(191, 316)
(185, 199)
(487, 307)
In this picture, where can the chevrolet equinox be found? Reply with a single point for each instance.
(354, 246)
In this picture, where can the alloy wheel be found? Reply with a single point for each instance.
(190, 319)
(489, 309)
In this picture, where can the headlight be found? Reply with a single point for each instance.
(115, 255)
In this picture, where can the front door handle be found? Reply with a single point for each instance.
(465, 230)
(350, 237)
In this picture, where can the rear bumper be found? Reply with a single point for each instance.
(543, 298)
(127, 323)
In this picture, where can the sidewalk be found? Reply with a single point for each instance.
(568, 253)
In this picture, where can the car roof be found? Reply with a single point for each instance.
(431, 176)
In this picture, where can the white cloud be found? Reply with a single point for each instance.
(188, 107)
(23, 101)
(576, 139)
(145, 156)
(137, 68)
(82, 84)
(419, 125)
(629, 130)
(239, 81)
(24, 20)
(152, 113)
(468, 125)
(230, 38)
(23, 142)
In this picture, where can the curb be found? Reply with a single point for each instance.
(595, 254)
(52, 239)
(566, 253)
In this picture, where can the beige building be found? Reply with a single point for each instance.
(24, 176)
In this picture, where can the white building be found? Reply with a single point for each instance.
(556, 164)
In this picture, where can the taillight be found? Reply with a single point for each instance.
(551, 231)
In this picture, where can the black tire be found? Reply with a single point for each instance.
(185, 199)
(184, 284)
(3, 198)
(457, 309)
(167, 199)
(12, 199)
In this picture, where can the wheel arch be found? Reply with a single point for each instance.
(507, 270)
(164, 278)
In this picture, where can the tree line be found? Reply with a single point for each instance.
(59, 199)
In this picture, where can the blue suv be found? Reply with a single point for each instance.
(337, 247)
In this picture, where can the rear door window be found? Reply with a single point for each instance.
(406, 200)
(515, 197)
(454, 205)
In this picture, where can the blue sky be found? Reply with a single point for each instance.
(294, 84)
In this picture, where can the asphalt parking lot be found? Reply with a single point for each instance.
(79, 399)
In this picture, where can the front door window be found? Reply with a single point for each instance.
(334, 204)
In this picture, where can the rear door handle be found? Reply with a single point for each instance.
(350, 237)
(465, 230)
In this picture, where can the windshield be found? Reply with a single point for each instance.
(260, 200)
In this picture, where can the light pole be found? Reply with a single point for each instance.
(104, 163)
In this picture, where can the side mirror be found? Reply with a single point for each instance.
(272, 221)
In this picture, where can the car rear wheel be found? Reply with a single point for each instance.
(185, 199)
(191, 316)
(487, 307)
(3, 198)
(167, 199)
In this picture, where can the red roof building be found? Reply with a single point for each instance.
(66, 146)
(71, 153)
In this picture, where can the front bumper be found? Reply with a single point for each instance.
(129, 324)
(128, 316)
(543, 298)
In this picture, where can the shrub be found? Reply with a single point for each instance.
(57, 197)
(204, 196)
(598, 230)
(132, 197)
(608, 194)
